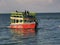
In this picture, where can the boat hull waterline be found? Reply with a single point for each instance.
(25, 26)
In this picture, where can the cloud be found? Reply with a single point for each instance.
(50, 1)
(32, 5)
(3, 6)
(33, 1)
(2, 3)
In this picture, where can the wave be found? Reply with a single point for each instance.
(4, 26)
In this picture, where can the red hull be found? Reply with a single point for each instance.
(23, 32)
(23, 26)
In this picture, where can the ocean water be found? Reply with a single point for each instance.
(48, 31)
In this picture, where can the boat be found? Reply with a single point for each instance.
(23, 21)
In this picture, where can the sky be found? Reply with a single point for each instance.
(30, 5)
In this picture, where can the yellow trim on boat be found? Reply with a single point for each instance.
(16, 23)
(16, 18)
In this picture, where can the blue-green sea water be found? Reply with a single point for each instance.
(48, 31)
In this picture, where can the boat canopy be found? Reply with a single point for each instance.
(21, 13)
(16, 14)
(32, 13)
(20, 17)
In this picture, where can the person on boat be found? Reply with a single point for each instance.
(16, 11)
(27, 12)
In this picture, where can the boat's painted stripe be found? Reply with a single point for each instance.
(16, 18)
(23, 26)
(22, 23)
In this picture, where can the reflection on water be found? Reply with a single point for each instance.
(23, 37)
(23, 32)
(17, 38)
(24, 41)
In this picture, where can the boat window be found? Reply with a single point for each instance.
(14, 16)
(17, 21)
(31, 20)
(20, 20)
(28, 21)
(25, 20)
(13, 20)
(20, 16)
(17, 16)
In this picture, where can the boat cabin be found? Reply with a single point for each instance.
(20, 18)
